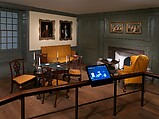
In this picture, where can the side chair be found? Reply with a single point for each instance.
(75, 67)
(18, 75)
(50, 78)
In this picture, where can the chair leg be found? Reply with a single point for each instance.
(56, 98)
(122, 84)
(43, 98)
(11, 87)
(80, 78)
(66, 75)
(124, 88)
(67, 95)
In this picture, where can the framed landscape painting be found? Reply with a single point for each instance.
(116, 27)
(133, 27)
(46, 29)
(65, 30)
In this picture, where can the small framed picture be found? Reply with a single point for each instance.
(116, 27)
(65, 30)
(133, 27)
(46, 29)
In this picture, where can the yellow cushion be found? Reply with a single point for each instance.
(74, 71)
(54, 82)
(60, 59)
(60, 82)
(23, 78)
(63, 51)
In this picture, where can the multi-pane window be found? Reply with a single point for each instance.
(8, 30)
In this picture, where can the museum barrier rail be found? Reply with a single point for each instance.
(26, 93)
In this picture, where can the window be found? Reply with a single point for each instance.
(8, 30)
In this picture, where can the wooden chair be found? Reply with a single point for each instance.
(42, 57)
(18, 75)
(50, 78)
(74, 67)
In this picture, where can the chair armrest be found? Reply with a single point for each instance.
(126, 70)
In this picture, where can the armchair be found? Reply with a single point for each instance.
(139, 63)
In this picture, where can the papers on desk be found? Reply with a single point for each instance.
(47, 64)
(58, 65)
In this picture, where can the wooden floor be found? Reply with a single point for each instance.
(128, 106)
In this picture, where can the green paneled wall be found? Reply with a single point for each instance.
(96, 28)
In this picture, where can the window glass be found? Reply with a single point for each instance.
(3, 46)
(15, 21)
(9, 46)
(9, 14)
(15, 27)
(3, 14)
(3, 40)
(3, 26)
(15, 39)
(8, 30)
(15, 46)
(15, 33)
(9, 33)
(15, 15)
(3, 20)
(9, 27)
(10, 40)
(3, 33)
(9, 21)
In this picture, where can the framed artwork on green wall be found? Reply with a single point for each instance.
(116, 27)
(133, 27)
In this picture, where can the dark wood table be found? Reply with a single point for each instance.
(58, 68)
(111, 65)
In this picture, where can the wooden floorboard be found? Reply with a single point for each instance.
(128, 106)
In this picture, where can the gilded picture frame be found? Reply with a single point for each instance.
(133, 27)
(65, 30)
(116, 27)
(46, 29)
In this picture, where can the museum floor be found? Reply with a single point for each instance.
(128, 106)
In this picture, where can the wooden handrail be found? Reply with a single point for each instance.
(25, 93)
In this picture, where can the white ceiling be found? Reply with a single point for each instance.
(87, 6)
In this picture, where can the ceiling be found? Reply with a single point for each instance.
(87, 6)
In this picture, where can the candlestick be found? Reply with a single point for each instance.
(34, 55)
(66, 58)
(57, 55)
(39, 61)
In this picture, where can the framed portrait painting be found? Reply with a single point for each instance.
(46, 29)
(65, 30)
(133, 27)
(116, 27)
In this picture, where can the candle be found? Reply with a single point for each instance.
(39, 61)
(34, 55)
(66, 58)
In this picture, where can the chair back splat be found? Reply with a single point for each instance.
(50, 78)
(75, 66)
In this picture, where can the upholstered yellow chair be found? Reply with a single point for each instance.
(139, 63)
